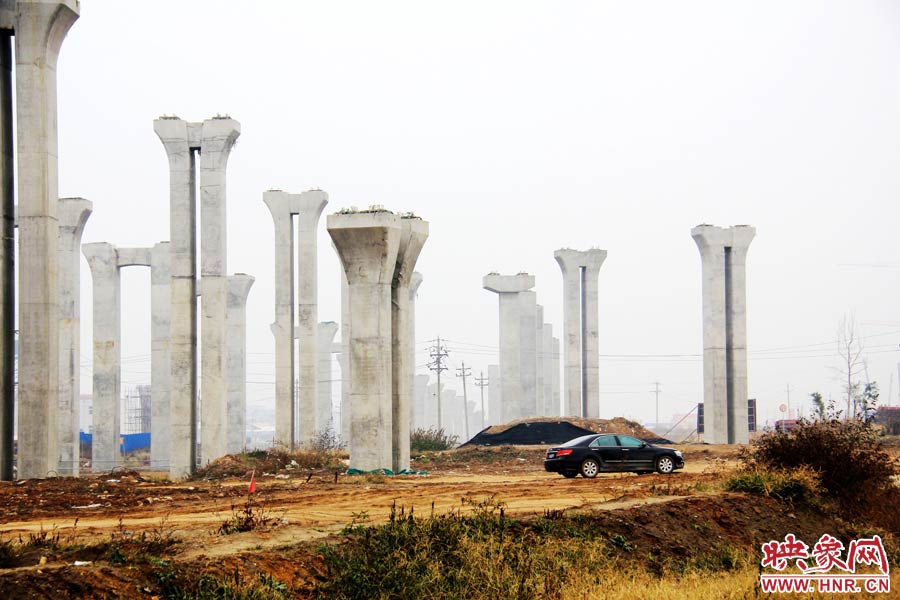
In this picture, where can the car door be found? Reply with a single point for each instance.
(606, 448)
(636, 455)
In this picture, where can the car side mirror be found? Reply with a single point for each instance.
(644, 444)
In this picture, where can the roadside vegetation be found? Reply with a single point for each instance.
(483, 553)
(838, 466)
(432, 439)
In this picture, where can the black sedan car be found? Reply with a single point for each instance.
(591, 454)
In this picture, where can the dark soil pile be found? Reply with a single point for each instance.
(542, 431)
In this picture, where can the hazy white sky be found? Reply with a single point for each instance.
(516, 128)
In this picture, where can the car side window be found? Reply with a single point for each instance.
(605, 441)
(626, 441)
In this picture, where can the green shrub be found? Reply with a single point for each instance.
(424, 440)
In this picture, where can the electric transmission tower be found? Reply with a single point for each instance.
(465, 372)
(438, 354)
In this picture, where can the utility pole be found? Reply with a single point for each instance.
(788, 390)
(656, 391)
(438, 354)
(464, 372)
(482, 382)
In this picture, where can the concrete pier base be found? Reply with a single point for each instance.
(581, 350)
(414, 232)
(103, 259)
(236, 359)
(73, 215)
(39, 30)
(216, 142)
(160, 368)
(367, 244)
(308, 207)
(723, 254)
(515, 321)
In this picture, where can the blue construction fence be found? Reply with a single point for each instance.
(128, 442)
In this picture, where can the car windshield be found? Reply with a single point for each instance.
(580, 441)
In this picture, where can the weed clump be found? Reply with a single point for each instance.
(432, 439)
(247, 518)
(798, 484)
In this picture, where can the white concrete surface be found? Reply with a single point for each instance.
(239, 286)
(581, 350)
(103, 260)
(414, 232)
(367, 244)
(40, 28)
(512, 379)
(73, 215)
(218, 136)
(181, 141)
(160, 368)
(723, 255)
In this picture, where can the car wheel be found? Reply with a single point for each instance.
(569, 475)
(589, 468)
(665, 465)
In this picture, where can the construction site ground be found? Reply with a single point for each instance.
(83, 515)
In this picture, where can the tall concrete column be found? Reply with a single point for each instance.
(308, 206)
(236, 353)
(495, 404)
(723, 254)
(414, 232)
(326, 332)
(528, 353)
(581, 351)
(181, 141)
(513, 391)
(7, 255)
(555, 379)
(569, 262)
(217, 140)
(415, 407)
(367, 244)
(539, 361)
(73, 214)
(103, 259)
(160, 388)
(549, 408)
(343, 411)
(344, 358)
(279, 204)
(40, 28)
(591, 331)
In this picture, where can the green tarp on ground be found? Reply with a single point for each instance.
(385, 472)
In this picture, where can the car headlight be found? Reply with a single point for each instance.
(679, 454)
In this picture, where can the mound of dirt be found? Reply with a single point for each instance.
(543, 431)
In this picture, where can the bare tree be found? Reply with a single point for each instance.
(850, 349)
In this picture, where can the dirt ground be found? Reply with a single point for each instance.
(309, 506)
